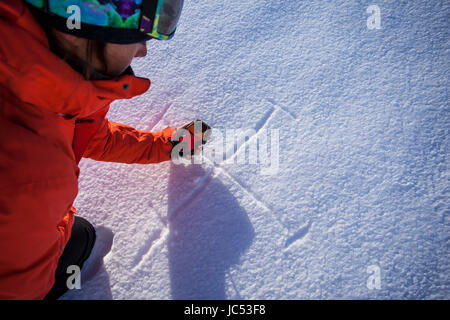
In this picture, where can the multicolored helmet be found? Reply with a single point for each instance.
(116, 21)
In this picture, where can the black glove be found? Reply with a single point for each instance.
(193, 135)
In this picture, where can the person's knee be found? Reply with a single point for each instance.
(83, 232)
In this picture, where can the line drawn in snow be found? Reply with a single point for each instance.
(298, 235)
(281, 108)
(160, 117)
(246, 190)
(247, 147)
(157, 239)
(236, 139)
(204, 181)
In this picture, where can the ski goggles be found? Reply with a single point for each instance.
(154, 18)
(165, 13)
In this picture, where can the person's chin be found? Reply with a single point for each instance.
(127, 71)
(114, 74)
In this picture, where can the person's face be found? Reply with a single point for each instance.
(119, 56)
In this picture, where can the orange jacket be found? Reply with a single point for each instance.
(40, 149)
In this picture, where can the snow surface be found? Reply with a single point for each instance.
(363, 179)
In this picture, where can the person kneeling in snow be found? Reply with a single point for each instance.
(57, 82)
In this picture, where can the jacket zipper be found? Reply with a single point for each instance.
(84, 120)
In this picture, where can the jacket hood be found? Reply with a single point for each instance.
(39, 77)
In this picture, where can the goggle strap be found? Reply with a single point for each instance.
(148, 11)
(46, 8)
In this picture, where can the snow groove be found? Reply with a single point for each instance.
(280, 107)
(206, 179)
(145, 252)
(258, 127)
(249, 193)
(298, 235)
(161, 116)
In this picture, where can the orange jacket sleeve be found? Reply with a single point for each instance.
(116, 142)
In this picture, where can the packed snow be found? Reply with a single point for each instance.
(350, 202)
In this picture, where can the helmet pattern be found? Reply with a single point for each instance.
(106, 13)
